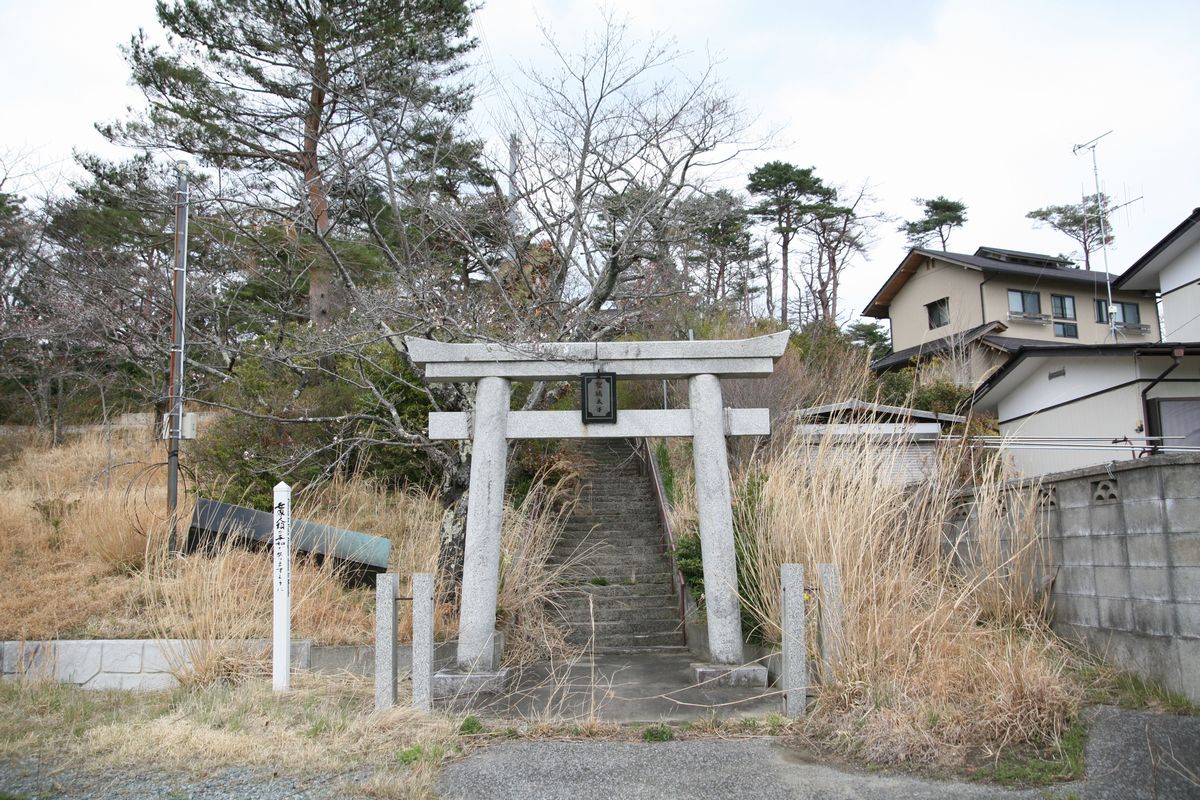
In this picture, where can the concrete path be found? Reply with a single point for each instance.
(1130, 755)
(647, 686)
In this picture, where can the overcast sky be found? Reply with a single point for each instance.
(978, 101)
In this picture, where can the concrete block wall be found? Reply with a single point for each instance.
(96, 663)
(150, 664)
(1123, 547)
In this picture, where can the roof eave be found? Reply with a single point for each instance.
(1157, 250)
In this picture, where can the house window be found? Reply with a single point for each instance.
(1020, 302)
(1176, 419)
(1068, 330)
(939, 312)
(1062, 306)
(1123, 313)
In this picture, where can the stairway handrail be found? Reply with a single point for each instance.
(678, 583)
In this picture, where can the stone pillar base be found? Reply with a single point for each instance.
(450, 683)
(749, 675)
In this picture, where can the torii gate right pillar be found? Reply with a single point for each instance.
(715, 510)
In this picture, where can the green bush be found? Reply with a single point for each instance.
(242, 456)
(658, 733)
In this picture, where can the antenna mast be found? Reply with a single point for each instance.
(1091, 145)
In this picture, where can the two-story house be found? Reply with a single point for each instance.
(975, 311)
(1068, 407)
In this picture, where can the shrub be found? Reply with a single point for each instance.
(658, 733)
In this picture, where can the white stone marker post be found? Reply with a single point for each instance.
(715, 510)
(485, 514)
(281, 545)
(422, 642)
(794, 678)
(386, 590)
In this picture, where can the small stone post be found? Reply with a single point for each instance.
(485, 513)
(833, 622)
(386, 591)
(715, 510)
(281, 640)
(422, 642)
(794, 678)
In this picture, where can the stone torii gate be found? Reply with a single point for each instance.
(492, 424)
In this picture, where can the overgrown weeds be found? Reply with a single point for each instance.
(946, 646)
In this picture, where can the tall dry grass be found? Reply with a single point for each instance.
(82, 527)
(940, 654)
(529, 584)
(74, 524)
(82, 540)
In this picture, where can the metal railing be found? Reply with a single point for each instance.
(678, 584)
(1040, 319)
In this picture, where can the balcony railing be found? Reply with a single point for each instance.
(1037, 319)
(1133, 327)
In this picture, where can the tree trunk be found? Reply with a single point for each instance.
(452, 535)
(60, 402)
(784, 243)
(324, 295)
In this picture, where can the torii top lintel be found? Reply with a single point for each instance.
(730, 358)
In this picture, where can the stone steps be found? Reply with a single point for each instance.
(606, 641)
(614, 534)
(661, 617)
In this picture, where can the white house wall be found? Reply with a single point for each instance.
(1181, 296)
(1083, 376)
(932, 281)
(1181, 314)
(1112, 415)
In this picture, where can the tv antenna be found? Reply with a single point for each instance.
(1091, 145)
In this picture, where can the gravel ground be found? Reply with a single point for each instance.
(1130, 755)
(33, 779)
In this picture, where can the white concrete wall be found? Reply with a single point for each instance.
(97, 663)
(150, 664)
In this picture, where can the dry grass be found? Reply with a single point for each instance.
(935, 661)
(324, 726)
(73, 524)
(528, 584)
(90, 516)
(410, 519)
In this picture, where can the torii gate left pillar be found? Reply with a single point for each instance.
(492, 424)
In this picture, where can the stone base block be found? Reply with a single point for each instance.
(452, 683)
(752, 675)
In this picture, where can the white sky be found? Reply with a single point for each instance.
(980, 101)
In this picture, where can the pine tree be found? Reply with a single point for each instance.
(298, 97)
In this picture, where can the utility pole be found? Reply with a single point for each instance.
(174, 421)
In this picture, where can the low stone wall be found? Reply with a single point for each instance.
(151, 664)
(1123, 551)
